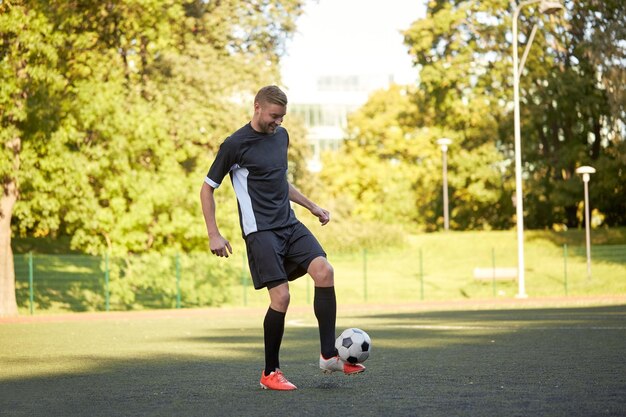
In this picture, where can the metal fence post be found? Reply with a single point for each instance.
(421, 276)
(565, 267)
(493, 270)
(308, 291)
(243, 279)
(31, 290)
(178, 295)
(107, 295)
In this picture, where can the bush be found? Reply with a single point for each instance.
(351, 235)
(150, 281)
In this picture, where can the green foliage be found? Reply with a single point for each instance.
(346, 235)
(568, 118)
(395, 174)
(390, 269)
(29, 88)
(573, 114)
(78, 282)
(375, 170)
(127, 102)
(480, 189)
(150, 281)
(110, 113)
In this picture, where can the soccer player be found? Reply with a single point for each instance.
(280, 248)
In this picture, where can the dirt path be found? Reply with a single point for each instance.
(486, 304)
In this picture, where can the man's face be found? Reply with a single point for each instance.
(269, 116)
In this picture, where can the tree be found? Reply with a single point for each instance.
(390, 168)
(569, 118)
(373, 174)
(575, 115)
(28, 114)
(112, 116)
(572, 112)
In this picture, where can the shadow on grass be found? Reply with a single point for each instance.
(554, 362)
(607, 245)
(576, 237)
(518, 318)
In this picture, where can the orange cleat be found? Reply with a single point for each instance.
(276, 381)
(337, 364)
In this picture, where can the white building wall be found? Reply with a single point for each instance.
(325, 107)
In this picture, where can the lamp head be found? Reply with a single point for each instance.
(444, 143)
(585, 170)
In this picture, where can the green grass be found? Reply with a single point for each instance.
(393, 275)
(448, 259)
(469, 361)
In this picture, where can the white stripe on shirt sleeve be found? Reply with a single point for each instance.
(211, 182)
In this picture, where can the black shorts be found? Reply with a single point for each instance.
(281, 255)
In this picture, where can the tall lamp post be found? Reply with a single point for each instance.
(444, 143)
(586, 172)
(545, 7)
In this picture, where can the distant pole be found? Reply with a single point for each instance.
(587, 232)
(493, 272)
(178, 295)
(243, 279)
(444, 143)
(565, 267)
(31, 289)
(106, 282)
(421, 276)
(546, 8)
(519, 200)
(586, 172)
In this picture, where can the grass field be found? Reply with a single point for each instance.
(439, 266)
(518, 358)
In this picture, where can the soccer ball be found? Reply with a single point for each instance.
(354, 345)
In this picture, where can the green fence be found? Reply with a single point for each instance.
(54, 283)
(90, 283)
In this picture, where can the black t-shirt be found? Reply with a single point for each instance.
(257, 164)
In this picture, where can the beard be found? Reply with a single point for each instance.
(267, 127)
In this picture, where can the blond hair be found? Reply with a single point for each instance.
(271, 94)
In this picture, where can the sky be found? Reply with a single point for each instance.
(350, 37)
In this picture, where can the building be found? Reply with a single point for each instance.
(325, 108)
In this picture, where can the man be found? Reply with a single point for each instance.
(279, 247)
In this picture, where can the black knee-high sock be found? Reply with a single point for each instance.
(273, 329)
(325, 307)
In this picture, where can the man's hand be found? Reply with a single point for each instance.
(298, 198)
(220, 246)
(322, 214)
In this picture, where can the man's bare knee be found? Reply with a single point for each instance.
(322, 272)
(280, 297)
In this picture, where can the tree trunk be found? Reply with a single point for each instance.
(8, 304)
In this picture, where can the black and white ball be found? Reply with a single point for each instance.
(354, 345)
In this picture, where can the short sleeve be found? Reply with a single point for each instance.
(225, 160)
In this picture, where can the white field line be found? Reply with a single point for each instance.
(301, 323)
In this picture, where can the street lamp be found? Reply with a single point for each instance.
(586, 172)
(545, 7)
(444, 143)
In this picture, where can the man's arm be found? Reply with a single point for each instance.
(299, 198)
(219, 245)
